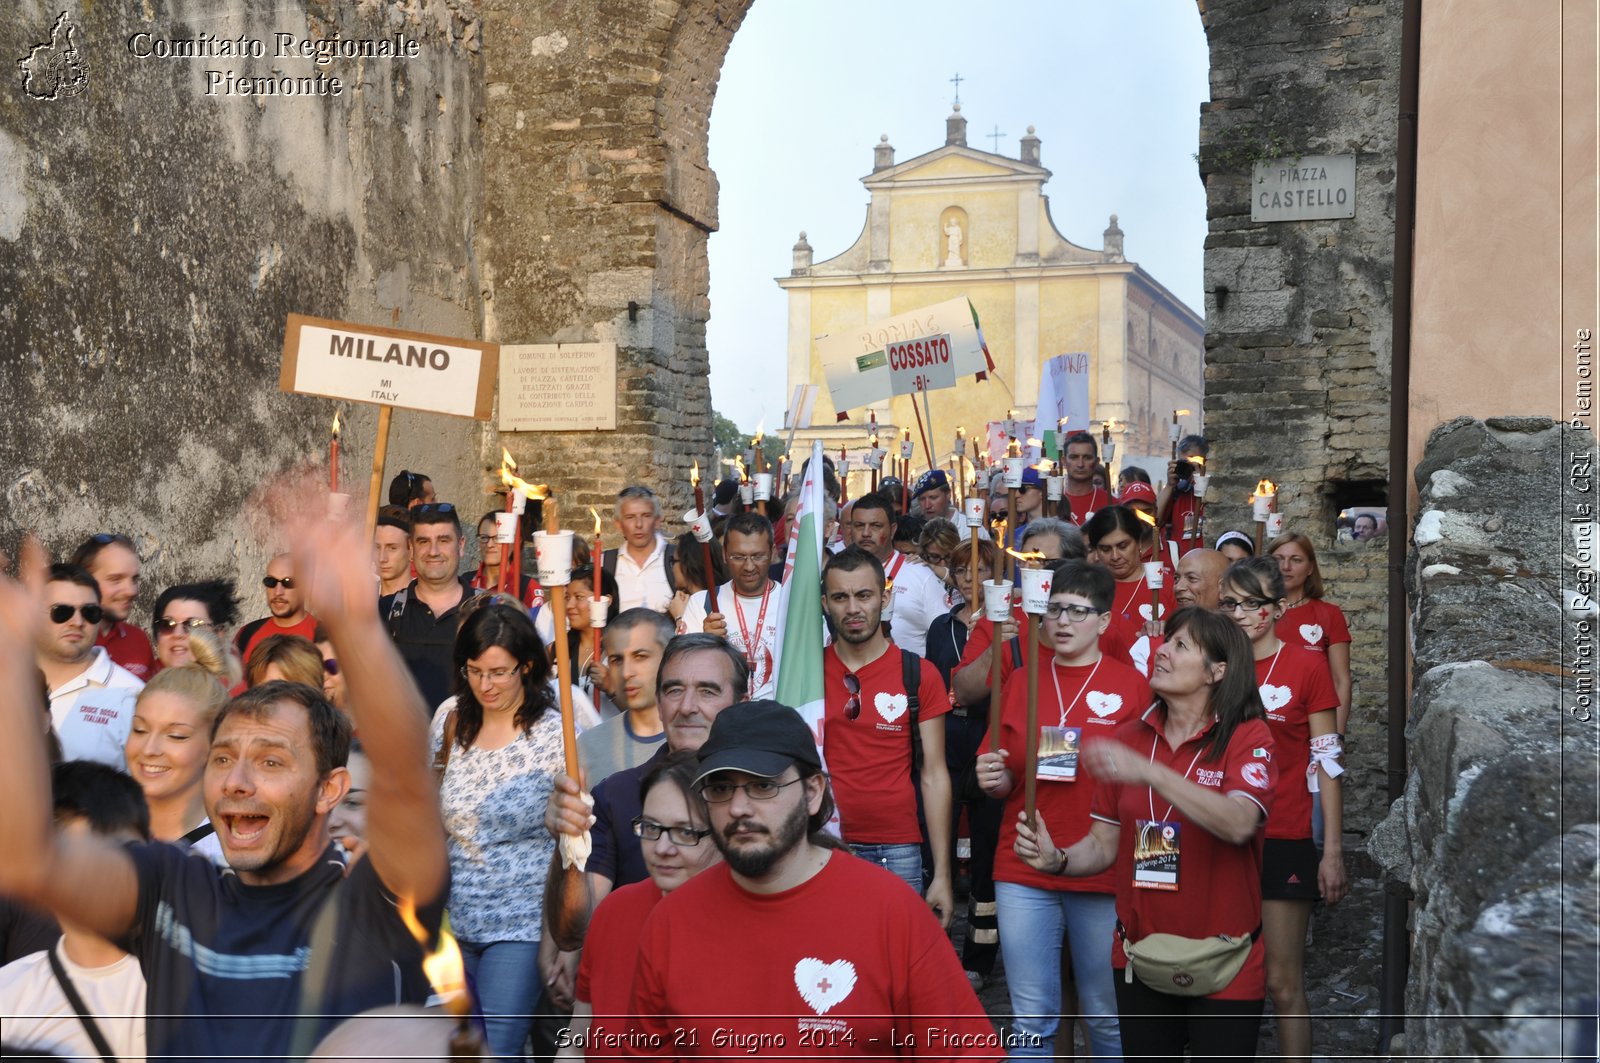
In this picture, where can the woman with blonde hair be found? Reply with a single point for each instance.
(170, 738)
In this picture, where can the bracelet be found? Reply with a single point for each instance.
(1062, 870)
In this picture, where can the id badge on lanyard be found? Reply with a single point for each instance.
(1155, 855)
(1058, 753)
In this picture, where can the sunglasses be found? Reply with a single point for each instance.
(62, 613)
(269, 582)
(330, 666)
(166, 625)
(107, 538)
(852, 708)
(434, 507)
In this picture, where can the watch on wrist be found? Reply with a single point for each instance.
(1062, 853)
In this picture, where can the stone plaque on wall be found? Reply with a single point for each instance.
(558, 387)
(1304, 188)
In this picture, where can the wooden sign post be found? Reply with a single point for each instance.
(388, 368)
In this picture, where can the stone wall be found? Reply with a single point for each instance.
(1496, 833)
(598, 196)
(1298, 313)
(154, 239)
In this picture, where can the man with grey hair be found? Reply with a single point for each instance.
(642, 567)
(634, 643)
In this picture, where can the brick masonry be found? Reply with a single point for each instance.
(1298, 313)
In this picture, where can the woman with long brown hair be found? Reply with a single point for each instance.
(1309, 619)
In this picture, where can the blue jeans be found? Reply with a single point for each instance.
(904, 860)
(505, 978)
(1032, 925)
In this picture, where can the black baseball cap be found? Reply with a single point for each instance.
(758, 738)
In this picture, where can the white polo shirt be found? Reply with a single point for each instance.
(93, 711)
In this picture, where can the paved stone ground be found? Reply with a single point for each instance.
(1343, 967)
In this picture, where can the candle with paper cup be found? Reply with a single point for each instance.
(1266, 493)
(762, 489)
(333, 459)
(1274, 526)
(996, 607)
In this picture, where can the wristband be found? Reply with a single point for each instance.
(1062, 870)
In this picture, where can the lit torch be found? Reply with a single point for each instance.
(447, 974)
(1172, 433)
(333, 459)
(1035, 586)
(705, 547)
(1266, 493)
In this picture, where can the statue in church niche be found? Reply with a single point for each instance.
(953, 238)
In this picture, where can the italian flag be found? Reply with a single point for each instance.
(801, 631)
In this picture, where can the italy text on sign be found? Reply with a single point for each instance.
(388, 367)
(857, 367)
(1303, 189)
(921, 364)
(558, 387)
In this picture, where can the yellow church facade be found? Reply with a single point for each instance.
(960, 222)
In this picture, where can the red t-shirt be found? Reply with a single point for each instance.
(1219, 885)
(129, 647)
(605, 974)
(306, 629)
(1087, 505)
(1314, 624)
(1130, 608)
(532, 593)
(1182, 505)
(869, 757)
(1113, 644)
(1098, 698)
(849, 963)
(1294, 682)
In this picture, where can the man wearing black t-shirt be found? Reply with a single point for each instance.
(234, 956)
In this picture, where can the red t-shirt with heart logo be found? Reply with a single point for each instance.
(1094, 699)
(1314, 624)
(1130, 608)
(869, 757)
(1294, 682)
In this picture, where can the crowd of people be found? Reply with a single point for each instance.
(224, 839)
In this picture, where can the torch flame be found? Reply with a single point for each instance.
(596, 522)
(761, 430)
(1029, 558)
(743, 472)
(1266, 487)
(336, 424)
(443, 966)
(1044, 466)
(961, 433)
(694, 475)
(1198, 460)
(1034, 442)
(1062, 424)
(513, 482)
(1147, 518)
(1180, 413)
(506, 460)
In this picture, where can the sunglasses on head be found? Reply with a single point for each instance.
(62, 613)
(434, 507)
(167, 625)
(852, 685)
(286, 582)
(107, 538)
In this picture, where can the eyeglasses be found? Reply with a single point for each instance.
(718, 792)
(286, 582)
(330, 666)
(749, 559)
(493, 675)
(1233, 605)
(935, 559)
(434, 507)
(652, 831)
(1077, 614)
(852, 708)
(62, 613)
(167, 625)
(486, 538)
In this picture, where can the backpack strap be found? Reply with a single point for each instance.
(397, 606)
(911, 679)
(608, 563)
(90, 1027)
(441, 759)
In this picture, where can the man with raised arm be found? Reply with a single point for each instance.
(234, 957)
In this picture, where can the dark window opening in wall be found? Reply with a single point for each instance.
(1362, 508)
